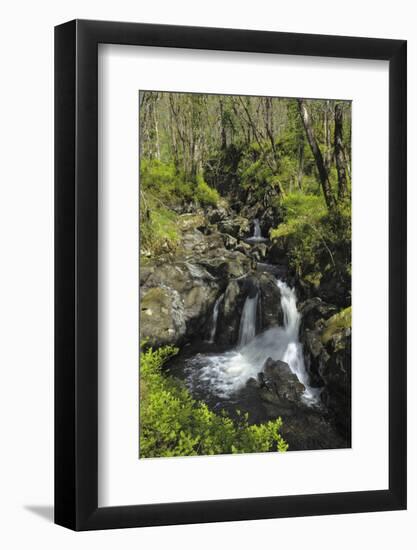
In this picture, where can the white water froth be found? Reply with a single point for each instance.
(257, 233)
(247, 328)
(214, 319)
(224, 374)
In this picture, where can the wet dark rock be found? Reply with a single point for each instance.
(270, 309)
(237, 226)
(226, 264)
(279, 385)
(335, 287)
(327, 351)
(229, 314)
(259, 251)
(277, 252)
(278, 389)
(218, 214)
(243, 247)
(269, 219)
(314, 309)
(310, 430)
(229, 242)
(277, 392)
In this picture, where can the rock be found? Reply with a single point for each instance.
(190, 221)
(218, 214)
(252, 382)
(336, 372)
(237, 226)
(144, 273)
(335, 288)
(196, 243)
(226, 265)
(277, 392)
(229, 241)
(327, 350)
(277, 252)
(281, 382)
(162, 319)
(229, 314)
(258, 251)
(278, 389)
(336, 326)
(181, 290)
(269, 219)
(244, 248)
(310, 430)
(270, 310)
(313, 310)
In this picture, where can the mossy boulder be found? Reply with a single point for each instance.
(162, 319)
(327, 350)
(336, 325)
(190, 221)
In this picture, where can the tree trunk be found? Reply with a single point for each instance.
(328, 155)
(272, 166)
(338, 150)
(222, 125)
(300, 166)
(318, 157)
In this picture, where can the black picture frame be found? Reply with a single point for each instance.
(76, 272)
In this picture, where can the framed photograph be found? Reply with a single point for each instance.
(230, 252)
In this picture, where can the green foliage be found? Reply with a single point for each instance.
(172, 423)
(162, 191)
(299, 210)
(318, 242)
(158, 229)
(337, 323)
(205, 194)
(170, 187)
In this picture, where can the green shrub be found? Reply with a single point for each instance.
(337, 323)
(162, 190)
(317, 241)
(299, 210)
(159, 230)
(205, 194)
(168, 186)
(172, 423)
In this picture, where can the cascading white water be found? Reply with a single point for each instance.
(224, 374)
(257, 233)
(247, 328)
(215, 316)
(293, 355)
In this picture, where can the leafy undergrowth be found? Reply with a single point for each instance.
(159, 230)
(317, 241)
(172, 423)
(171, 188)
(163, 191)
(337, 323)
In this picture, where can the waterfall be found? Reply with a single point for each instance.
(293, 355)
(214, 318)
(223, 374)
(247, 328)
(257, 234)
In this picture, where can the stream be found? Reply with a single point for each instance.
(218, 376)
